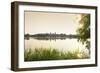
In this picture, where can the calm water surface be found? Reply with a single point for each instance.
(63, 45)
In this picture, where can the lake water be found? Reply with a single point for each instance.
(63, 45)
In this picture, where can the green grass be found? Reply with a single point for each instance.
(39, 54)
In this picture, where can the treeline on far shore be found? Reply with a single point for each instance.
(50, 36)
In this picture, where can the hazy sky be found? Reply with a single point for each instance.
(45, 22)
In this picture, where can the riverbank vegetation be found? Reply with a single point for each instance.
(39, 54)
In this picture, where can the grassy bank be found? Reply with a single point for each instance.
(39, 54)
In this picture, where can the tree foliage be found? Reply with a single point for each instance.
(84, 30)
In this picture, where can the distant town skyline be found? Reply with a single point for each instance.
(43, 22)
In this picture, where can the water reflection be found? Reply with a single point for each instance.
(51, 36)
(58, 41)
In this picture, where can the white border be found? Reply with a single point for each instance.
(23, 64)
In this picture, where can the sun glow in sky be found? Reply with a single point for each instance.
(46, 22)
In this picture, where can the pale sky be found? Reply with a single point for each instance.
(45, 22)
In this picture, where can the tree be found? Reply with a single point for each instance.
(84, 30)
